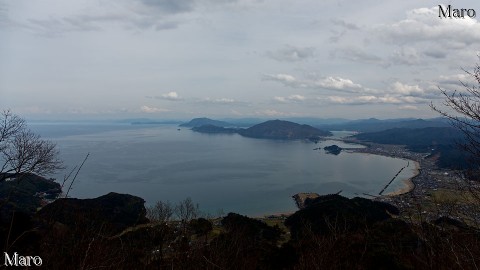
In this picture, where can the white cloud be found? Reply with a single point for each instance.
(423, 24)
(407, 90)
(291, 98)
(173, 96)
(148, 109)
(219, 100)
(370, 99)
(285, 79)
(337, 83)
(331, 83)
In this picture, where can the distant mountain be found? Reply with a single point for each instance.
(198, 122)
(312, 121)
(414, 137)
(373, 124)
(282, 130)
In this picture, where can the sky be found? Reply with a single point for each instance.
(180, 59)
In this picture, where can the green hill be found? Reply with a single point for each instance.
(282, 130)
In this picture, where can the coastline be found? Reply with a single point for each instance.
(391, 151)
(409, 185)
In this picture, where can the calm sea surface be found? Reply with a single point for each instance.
(220, 172)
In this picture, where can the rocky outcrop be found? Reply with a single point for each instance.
(25, 193)
(325, 213)
(111, 213)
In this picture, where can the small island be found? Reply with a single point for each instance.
(333, 149)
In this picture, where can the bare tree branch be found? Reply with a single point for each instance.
(22, 151)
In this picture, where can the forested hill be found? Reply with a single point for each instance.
(434, 140)
(285, 130)
(273, 129)
(414, 136)
(373, 125)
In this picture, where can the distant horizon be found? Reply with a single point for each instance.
(133, 119)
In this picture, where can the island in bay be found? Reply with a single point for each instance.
(272, 129)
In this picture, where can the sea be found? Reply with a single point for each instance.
(221, 172)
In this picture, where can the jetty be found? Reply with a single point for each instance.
(391, 181)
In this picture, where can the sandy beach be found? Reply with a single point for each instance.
(408, 183)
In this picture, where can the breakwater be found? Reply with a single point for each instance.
(391, 181)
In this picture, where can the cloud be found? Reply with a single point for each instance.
(53, 27)
(407, 90)
(291, 98)
(406, 56)
(219, 101)
(172, 96)
(357, 54)
(345, 24)
(370, 99)
(331, 82)
(274, 113)
(408, 108)
(456, 79)
(434, 53)
(286, 79)
(148, 109)
(423, 25)
(337, 83)
(359, 100)
(292, 54)
(134, 15)
(184, 6)
(169, 6)
(338, 34)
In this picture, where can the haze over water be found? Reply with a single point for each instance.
(228, 172)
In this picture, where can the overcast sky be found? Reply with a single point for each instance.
(108, 59)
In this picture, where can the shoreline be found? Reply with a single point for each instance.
(389, 151)
(409, 185)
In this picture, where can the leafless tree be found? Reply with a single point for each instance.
(463, 110)
(22, 151)
(186, 210)
(160, 212)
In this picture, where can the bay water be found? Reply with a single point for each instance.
(222, 173)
